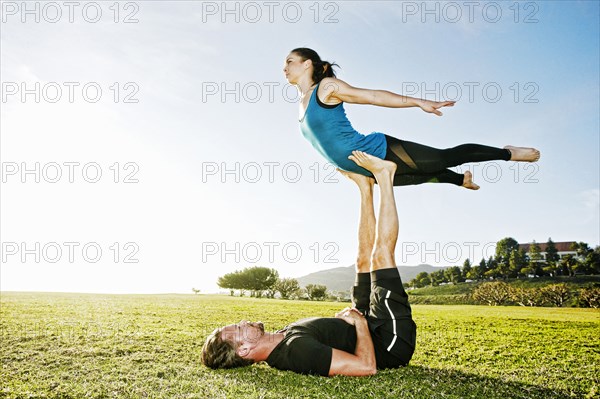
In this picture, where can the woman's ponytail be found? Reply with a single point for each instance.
(321, 69)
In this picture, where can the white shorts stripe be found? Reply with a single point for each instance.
(389, 348)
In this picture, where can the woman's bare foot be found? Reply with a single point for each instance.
(379, 167)
(523, 154)
(360, 180)
(468, 181)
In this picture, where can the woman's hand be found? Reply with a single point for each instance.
(432, 106)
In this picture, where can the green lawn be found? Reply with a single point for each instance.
(147, 346)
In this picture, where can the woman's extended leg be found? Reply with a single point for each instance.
(445, 176)
(418, 163)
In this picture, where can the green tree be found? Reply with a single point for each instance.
(256, 279)
(582, 248)
(594, 261)
(552, 257)
(491, 268)
(516, 262)
(437, 277)
(288, 288)
(492, 273)
(479, 271)
(535, 258)
(231, 281)
(568, 265)
(260, 279)
(527, 270)
(316, 292)
(452, 274)
(504, 248)
(590, 258)
(585, 256)
(421, 280)
(467, 269)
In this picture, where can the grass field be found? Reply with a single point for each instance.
(147, 346)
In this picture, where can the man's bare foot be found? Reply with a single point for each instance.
(468, 181)
(379, 167)
(523, 154)
(360, 180)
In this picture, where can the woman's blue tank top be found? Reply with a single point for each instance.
(331, 134)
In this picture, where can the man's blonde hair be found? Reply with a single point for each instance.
(218, 353)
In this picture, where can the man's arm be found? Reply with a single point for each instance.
(362, 362)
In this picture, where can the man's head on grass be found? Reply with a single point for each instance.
(232, 345)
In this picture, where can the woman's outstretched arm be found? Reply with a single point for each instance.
(337, 90)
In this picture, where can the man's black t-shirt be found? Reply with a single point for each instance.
(307, 345)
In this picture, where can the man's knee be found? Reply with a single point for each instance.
(382, 257)
(363, 262)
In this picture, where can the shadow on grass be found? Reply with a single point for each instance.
(409, 382)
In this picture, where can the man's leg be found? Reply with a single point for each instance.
(387, 222)
(366, 239)
(389, 309)
(366, 223)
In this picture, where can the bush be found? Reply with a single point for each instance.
(555, 294)
(496, 293)
(590, 297)
(456, 299)
(526, 296)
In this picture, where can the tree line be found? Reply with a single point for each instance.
(264, 282)
(510, 261)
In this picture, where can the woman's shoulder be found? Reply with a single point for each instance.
(328, 87)
(336, 90)
(330, 80)
(331, 83)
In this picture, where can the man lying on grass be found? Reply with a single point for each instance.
(378, 332)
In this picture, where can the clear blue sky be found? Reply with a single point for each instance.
(221, 167)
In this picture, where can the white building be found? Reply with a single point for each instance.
(563, 248)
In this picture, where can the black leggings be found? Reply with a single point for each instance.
(418, 163)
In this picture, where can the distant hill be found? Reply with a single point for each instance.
(342, 278)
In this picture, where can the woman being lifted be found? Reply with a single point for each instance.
(324, 124)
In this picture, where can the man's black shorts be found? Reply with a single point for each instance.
(385, 304)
